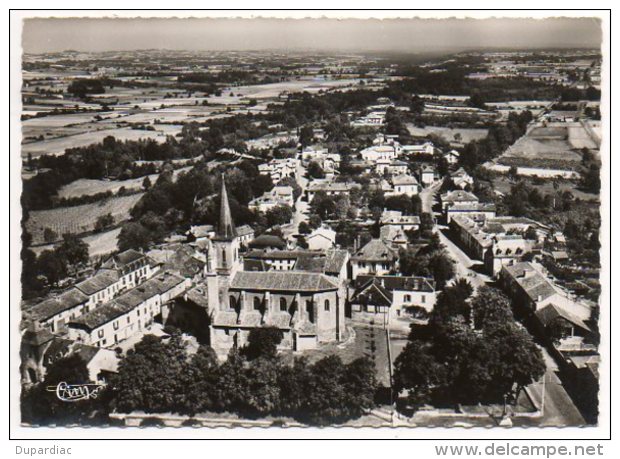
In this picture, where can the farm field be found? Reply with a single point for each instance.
(98, 244)
(467, 135)
(87, 187)
(78, 219)
(58, 146)
(503, 184)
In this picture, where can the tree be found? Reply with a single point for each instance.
(73, 249)
(133, 236)
(304, 228)
(417, 370)
(103, 222)
(201, 381)
(306, 135)
(490, 307)
(151, 376)
(400, 202)
(146, 183)
(49, 235)
(262, 342)
(53, 267)
(279, 215)
(315, 170)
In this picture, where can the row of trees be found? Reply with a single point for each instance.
(159, 376)
(471, 351)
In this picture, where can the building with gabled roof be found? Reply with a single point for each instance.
(392, 296)
(376, 257)
(530, 290)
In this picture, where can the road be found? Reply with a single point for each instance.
(556, 405)
(465, 267)
(300, 206)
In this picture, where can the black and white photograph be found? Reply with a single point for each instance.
(298, 221)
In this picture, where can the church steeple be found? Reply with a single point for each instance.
(226, 230)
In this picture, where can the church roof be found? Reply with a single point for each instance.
(282, 281)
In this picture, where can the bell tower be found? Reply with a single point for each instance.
(225, 242)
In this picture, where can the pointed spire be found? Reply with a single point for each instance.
(226, 228)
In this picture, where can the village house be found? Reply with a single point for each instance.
(452, 157)
(377, 257)
(378, 153)
(391, 167)
(461, 179)
(376, 118)
(476, 210)
(392, 297)
(329, 188)
(322, 238)
(279, 168)
(426, 148)
(531, 291)
(307, 307)
(281, 195)
(313, 153)
(403, 184)
(427, 174)
(497, 241)
(394, 236)
(128, 314)
(397, 219)
(458, 196)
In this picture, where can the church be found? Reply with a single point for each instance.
(307, 306)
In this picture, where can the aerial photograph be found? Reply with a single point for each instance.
(285, 223)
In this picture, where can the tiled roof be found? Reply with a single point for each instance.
(101, 315)
(458, 196)
(409, 283)
(199, 295)
(282, 281)
(67, 300)
(128, 301)
(121, 259)
(225, 319)
(267, 240)
(375, 250)
(551, 312)
(244, 230)
(279, 319)
(100, 281)
(373, 293)
(250, 319)
(530, 280)
(404, 180)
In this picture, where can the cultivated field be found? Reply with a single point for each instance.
(467, 135)
(98, 244)
(58, 146)
(78, 219)
(87, 187)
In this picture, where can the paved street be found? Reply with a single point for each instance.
(301, 206)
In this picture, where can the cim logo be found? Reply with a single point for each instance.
(76, 392)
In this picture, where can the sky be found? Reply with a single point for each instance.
(398, 35)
